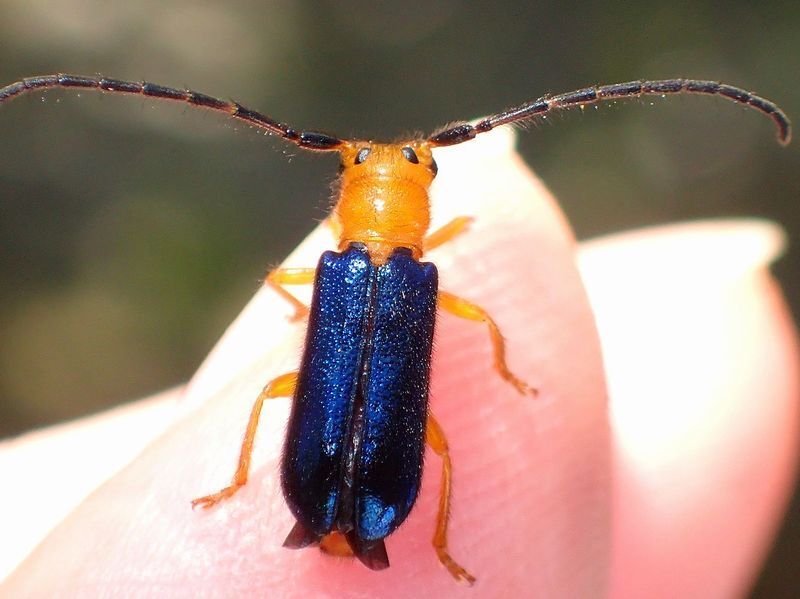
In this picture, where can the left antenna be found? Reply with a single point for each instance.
(309, 140)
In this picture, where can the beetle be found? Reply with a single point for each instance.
(352, 457)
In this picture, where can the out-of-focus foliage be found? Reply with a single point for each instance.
(131, 231)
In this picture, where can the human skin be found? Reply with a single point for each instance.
(557, 496)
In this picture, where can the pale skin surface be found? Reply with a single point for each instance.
(532, 507)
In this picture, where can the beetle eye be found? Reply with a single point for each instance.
(434, 167)
(361, 156)
(410, 154)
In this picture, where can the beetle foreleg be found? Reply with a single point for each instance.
(282, 386)
(434, 435)
(465, 309)
(444, 234)
(291, 276)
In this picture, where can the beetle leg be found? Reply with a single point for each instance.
(444, 234)
(434, 435)
(291, 276)
(282, 386)
(465, 309)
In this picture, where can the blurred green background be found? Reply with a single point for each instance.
(132, 232)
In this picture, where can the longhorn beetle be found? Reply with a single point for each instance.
(352, 458)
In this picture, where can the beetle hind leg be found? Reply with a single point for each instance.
(434, 435)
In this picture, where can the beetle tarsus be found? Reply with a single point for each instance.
(209, 501)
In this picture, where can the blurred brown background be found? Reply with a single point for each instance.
(132, 232)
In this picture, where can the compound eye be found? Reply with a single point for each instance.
(361, 156)
(410, 154)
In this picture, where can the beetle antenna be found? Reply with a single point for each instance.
(309, 140)
(529, 111)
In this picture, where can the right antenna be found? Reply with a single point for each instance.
(456, 134)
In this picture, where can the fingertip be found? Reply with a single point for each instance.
(702, 361)
(530, 499)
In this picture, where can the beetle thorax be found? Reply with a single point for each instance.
(383, 197)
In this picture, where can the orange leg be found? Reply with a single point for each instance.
(436, 439)
(461, 307)
(447, 232)
(291, 276)
(282, 386)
